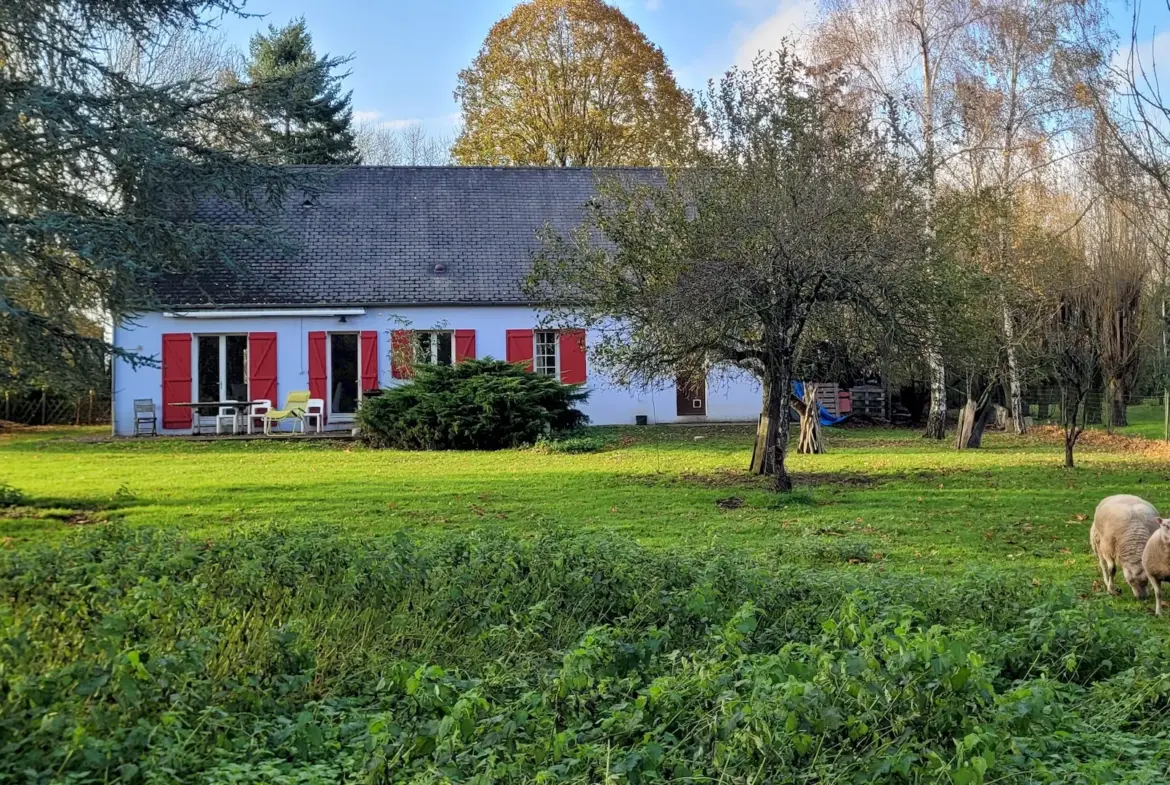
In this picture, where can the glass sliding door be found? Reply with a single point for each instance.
(235, 353)
(343, 373)
(222, 368)
(208, 365)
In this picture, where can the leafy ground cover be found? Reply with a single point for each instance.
(298, 612)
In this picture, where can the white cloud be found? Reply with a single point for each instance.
(1151, 55)
(374, 118)
(791, 19)
(653, 5)
(398, 125)
(366, 115)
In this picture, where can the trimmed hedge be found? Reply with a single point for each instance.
(475, 405)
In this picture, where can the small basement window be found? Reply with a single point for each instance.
(545, 352)
(434, 347)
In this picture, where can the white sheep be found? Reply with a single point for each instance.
(1156, 561)
(1122, 526)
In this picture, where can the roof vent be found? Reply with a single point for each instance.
(440, 268)
(310, 200)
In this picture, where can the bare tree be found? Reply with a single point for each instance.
(1016, 118)
(410, 145)
(1073, 355)
(1121, 269)
(170, 56)
(903, 54)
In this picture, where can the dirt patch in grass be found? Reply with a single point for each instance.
(734, 478)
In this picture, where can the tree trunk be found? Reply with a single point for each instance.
(1070, 407)
(973, 418)
(1015, 399)
(966, 423)
(771, 447)
(1118, 414)
(936, 420)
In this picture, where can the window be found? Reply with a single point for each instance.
(545, 355)
(434, 347)
(343, 373)
(221, 368)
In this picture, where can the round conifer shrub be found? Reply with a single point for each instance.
(475, 405)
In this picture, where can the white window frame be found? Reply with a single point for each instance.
(341, 416)
(435, 337)
(556, 343)
(223, 391)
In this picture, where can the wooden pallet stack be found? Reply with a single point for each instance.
(869, 400)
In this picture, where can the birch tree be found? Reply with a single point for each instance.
(903, 54)
(1017, 117)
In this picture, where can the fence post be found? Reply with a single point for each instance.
(7, 407)
(44, 406)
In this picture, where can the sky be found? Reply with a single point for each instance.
(407, 54)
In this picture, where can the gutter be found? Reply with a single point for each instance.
(246, 314)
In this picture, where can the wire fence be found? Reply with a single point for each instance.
(49, 408)
(1046, 407)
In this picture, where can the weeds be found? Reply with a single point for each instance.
(284, 657)
(9, 496)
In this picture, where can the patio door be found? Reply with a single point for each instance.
(344, 374)
(221, 367)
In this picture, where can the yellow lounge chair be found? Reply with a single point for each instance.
(294, 409)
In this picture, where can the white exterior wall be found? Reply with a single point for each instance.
(729, 397)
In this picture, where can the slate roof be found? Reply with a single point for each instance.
(395, 236)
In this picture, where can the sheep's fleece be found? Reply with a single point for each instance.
(1121, 527)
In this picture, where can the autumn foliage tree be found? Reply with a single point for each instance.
(571, 83)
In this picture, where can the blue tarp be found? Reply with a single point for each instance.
(822, 413)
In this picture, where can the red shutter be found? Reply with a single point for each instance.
(262, 367)
(464, 345)
(318, 377)
(176, 379)
(369, 340)
(520, 347)
(572, 356)
(402, 354)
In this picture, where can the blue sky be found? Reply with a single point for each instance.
(407, 53)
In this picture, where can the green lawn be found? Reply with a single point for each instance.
(246, 612)
(885, 495)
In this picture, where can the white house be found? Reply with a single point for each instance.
(384, 263)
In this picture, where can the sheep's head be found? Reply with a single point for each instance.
(1164, 524)
(1136, 578)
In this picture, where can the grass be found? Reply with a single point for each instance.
(248, 612)
(885, 495)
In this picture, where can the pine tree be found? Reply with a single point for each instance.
(97, 166)
(308, 120)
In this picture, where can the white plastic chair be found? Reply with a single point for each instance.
(256, 416)
(226, 415)
(315, 411)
